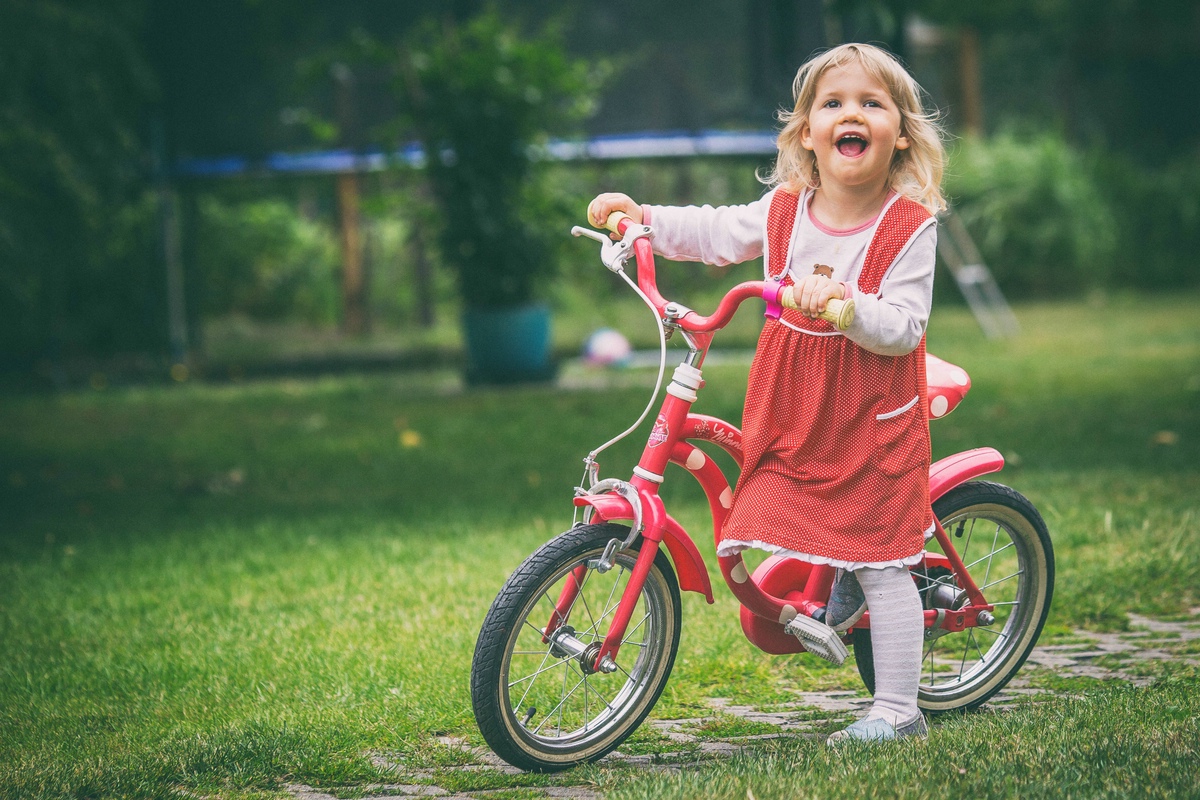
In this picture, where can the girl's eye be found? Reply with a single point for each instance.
(832, 104)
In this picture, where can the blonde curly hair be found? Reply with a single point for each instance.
(915, 172)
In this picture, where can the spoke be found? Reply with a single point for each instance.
(930, 583)
(609, 605)
(541, 633)
(967, 650)
(641, 622)
(565, 696)
(1000, 634)
(558, 708)
(995, 538)
(923, 574)
(1011, 543)
(599, 697)
(587, 608)
(932, 644)
(1002, 580)
(554, 614)
(541, 668)
(628, 641)
(625, 672)
(967, 544)
(962, 665)
(587, 573)
(974, 641)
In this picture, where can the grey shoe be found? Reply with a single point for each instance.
(847, 603)
(878, 730)
(818, 638)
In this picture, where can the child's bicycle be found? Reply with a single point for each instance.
(579, 643)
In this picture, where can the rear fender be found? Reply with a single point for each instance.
(959, 468)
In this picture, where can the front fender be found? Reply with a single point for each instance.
(689, 564)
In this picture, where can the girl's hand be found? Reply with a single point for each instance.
(605, 204)
(812, 292)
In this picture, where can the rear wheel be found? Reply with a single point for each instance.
(539, 706)
(1005, 546)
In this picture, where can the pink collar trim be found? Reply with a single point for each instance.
(823, 228)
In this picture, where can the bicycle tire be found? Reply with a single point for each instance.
(518, 679)
(1022, 597)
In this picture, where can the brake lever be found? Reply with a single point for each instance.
(591, 234)
(614, 255)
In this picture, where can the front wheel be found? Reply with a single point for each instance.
(538, 706)
(1004, 544)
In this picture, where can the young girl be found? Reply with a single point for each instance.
(835, 435)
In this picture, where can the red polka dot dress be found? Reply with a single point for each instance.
(835, 437)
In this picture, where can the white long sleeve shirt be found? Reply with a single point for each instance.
(890, 322)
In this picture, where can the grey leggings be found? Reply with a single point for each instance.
(897, 625)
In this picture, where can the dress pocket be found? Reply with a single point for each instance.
(901, 439)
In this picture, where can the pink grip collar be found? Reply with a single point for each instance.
(770, 294)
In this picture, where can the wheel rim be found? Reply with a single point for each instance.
(997, 545)
(573, 711)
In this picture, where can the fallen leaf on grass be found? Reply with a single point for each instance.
(1166, 438)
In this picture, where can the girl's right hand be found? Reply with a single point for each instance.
(605, 204)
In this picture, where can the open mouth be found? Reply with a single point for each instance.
(851, 145)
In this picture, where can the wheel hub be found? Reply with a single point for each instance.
(941, 590)
(564, 644)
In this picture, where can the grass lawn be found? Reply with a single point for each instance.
(221, 590)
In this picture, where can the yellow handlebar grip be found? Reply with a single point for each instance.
(787, 299)
(839, 312)
(614, 219)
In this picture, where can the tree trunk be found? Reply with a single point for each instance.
(354, 285)
(971, 82)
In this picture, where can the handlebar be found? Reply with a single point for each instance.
(838, 312)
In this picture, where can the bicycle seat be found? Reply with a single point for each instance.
(946, 385)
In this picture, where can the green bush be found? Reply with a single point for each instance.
(80, 269)
(479, 96)
(262, 258)
(1158, 220)
(1049, 217)
(1033, 206)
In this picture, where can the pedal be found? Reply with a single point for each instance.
(818, 638)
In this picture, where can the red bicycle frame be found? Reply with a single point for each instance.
(780, 588)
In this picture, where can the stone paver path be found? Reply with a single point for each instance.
(1104, 656)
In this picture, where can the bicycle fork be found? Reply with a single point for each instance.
(598, 655)
(641, 492)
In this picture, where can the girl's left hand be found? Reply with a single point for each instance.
(812, 292)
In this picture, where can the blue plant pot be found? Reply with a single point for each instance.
(508, 345)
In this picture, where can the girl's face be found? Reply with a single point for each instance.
(853, 128)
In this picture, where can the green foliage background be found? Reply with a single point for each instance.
(77, 262)
(479, 97)
(1081, 182)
